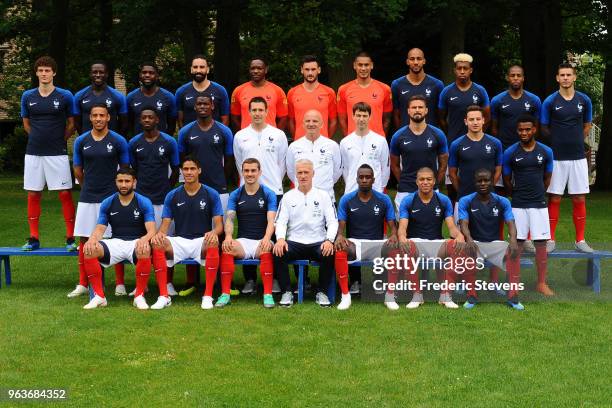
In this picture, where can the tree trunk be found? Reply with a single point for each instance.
(452, 42)
(106, 25)
(552, 39)
(58, 40)
(227, 43)
(191, 33)
(531, 29)
(604, 154)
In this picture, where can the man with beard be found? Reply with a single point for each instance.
(132, 221)
(97, 155)
(200, 85)
(363, 213)
(311, 94)
(100, 92)
(258, 86)
(416, 82)
(417, 145)
(151, 94)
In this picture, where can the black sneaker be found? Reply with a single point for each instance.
(31, 244)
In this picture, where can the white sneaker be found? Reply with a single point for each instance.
(286, 299)
(207, 302)
(275, 287)
(171, 290)
(390, 302)
(133, 293)
(140, 303)
(529, 247)
(582, 246)
(78, 291)
(120, 290)
(322, 300)
(162, 302)
(417, 300)
(97, 301)
(355, 288)
(345, 302)
(550, 246)
(449, 304)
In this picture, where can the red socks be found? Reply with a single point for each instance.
(267, 272)
(94, 273)
(34, 212)
(120, 274)
(341, 264)
(82, 273)
(161, 270)
(227, 272)
(68, 211)
(553, 216)
(541, 260)
(579, 215)
(143, 270)
(212, 264)
(513, 269)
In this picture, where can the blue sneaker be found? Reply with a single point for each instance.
(470, 303)
(31, 244)
(268, 301)
(515, 305)
(223, 300)
(71, 245)
(500, 292)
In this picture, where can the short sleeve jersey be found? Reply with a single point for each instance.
(47, 117)
(114, 100)
(365, 220)
(99, 160)
(376, 94)
(402, 90)
(300, 100)
(186, 97)
(272, 93)
(455, 102)
(425, 219)
(528, 170)
(506, 110)
(127, 221)
(485, 217)
(565, 120)
(192, 215)
(151, 161)
(415, 152)
(252, 211)
(209, 147)
(468, 155)
(162, 101)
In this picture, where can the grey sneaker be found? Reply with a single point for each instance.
(275, 287)
(322, 300)
(582, 246)
(286, 299)
(249, 287)
(550, 246)
(355, 288)
(528, 246)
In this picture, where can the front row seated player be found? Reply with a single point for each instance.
(480, 214)
(132, 221)
(198, 222)
(363, 213)
(420, 232)
(306, 226)
(254, 205)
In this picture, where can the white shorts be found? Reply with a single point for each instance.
(428, 248)
(249, 246)
(398, 200)
(119, 250)
(158, 209)
(571, 173)
(531, 220)
(87, 219)
(367, 252)
(447, 177)
(493, 251)
(184, 248)
(500, 182)
(54, 171)
(224, 200)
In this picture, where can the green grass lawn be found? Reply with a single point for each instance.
(556, 353)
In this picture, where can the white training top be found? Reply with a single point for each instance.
(324, 153)
(306, 218)
(269, 147)
(370, 149)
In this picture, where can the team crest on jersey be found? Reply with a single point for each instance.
(109, 147)
(540, 158)
(202, 204)
(495, 212)
(475, 98)
(527, 106)
(161, 150)
(488, 148)
(322, 151)
(261, 202)
(580, 107)
(429, 142)
(216, 138)
(159, 104)
(438, 211)
(317, 210)
(136, 214)
(373, 146)
(109, 102)
(374, 96)
(427, 92)
(376, 209)
(56, 104)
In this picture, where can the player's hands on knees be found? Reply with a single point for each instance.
(90, 247)
(327, 248)
(158, 239)
(211, 239)
(280, 247)
(470, 249)
(265, 245)
(341, 243)
(228, 245)
(142, 247)
(393, 241)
